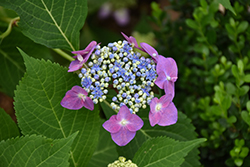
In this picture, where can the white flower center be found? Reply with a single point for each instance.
(79, 57)
(82, 96)
(158, 107)
(154, 54)
(124, 122)
(168, 78)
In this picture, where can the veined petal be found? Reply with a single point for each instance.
(124, 113)
(153, 103)
(169, 115)
(154, 118)
(123, 137)
(169, 88)
(135, 123)
(168, 66)
(165, 100)
(150, 50)
(161, 79)
(112, 125)
(75, 65)
(72, 101)
(88, 103)
(79, 89)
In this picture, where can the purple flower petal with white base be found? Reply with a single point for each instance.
(162, 111)
(77, 98)
(82, 57)
(166, 69)
(123, 126)
(169, 116)
(151, 51)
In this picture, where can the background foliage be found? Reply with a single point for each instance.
(211, 48)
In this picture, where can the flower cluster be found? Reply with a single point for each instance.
(121, 162)
(120, 67)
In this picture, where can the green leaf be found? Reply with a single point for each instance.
(227, 5)
(36, 151)
(226, 103)
(11, 61)
(242, 27)
(246, 117)
(55, 24)
(183, 130)
(235, 71)
(248, 106)
(105, 152)
(162, 152)
(38, 109)
(243, 90)
(247, 78)
(8, 127)
(192, 24)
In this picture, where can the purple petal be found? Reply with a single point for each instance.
(112, 125)
(165, 100)
(123, 113)
(131, 40)
(72, 101)
(123, 137)
(150, 50)
(79, 89)
(169, 88)
(161, 79)
(135, 123)
(169, 115)
(153, 103)
(75, 65)
(88, 103)
(168, 66)
(91, 46)
(122, 16)
(154, 118)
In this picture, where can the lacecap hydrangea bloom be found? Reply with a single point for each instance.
(119, 66)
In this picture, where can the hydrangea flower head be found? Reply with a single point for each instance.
(121, 67)
(123, 126)
(77, 98)
(163, 111)
(81, 57)
(167, 74)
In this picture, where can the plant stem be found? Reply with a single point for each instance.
(63, 54)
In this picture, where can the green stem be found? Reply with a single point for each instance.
(8, 31)
(63, 54)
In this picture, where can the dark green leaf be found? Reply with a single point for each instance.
(162, 152)
(8, 127)
(12, 62)
(36, 151)
(105, 152)
(192, 24)
(55, 24)
(38, 109)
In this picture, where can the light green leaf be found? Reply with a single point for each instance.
(38, 109)
(248, 106)
(8, 127)
(105, 152)
(55, 24)
(247, 78)
(162, 152)
(227, 5)
(242, 27)
(11, 62)
(246, 117)
(36, 151)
